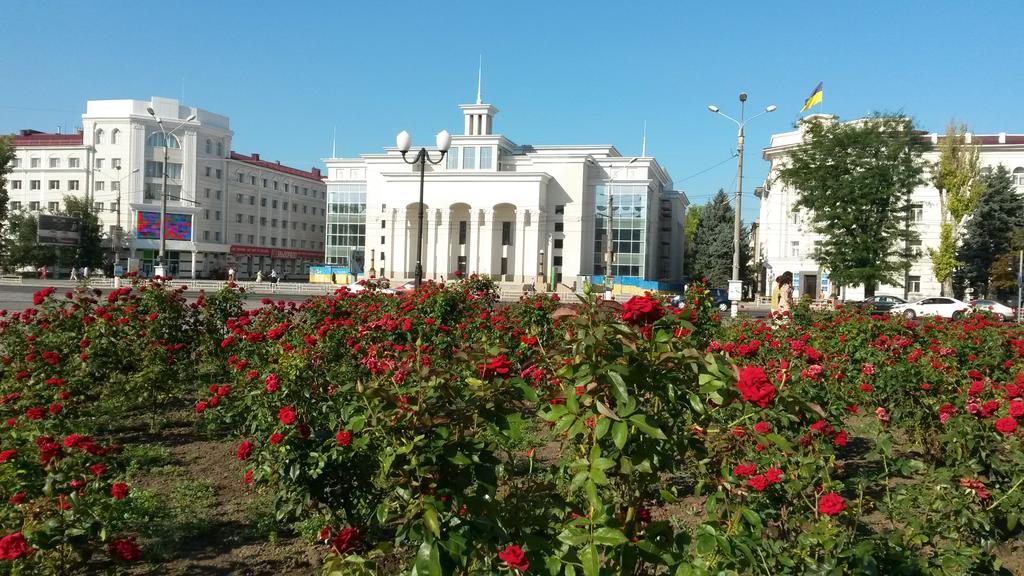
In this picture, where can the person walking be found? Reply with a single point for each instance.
(273, 275)
(74, 274)
(42, 272)
(231, 274)
(786, 293)
(259, 276)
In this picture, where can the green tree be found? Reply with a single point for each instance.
(22, 247)
(690, 237)
(6, 160)
(713, 244)
(957, 177)
(989, 232)
(855, 181)
(90, 250)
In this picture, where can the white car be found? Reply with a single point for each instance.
(934, 306)
(1001, 310)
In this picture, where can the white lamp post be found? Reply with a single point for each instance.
(404, 142)
(159, 269)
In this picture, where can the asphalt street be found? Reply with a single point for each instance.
(17, 297)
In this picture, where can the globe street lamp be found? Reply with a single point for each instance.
(159, 269)
(404, 142)
(736, 286)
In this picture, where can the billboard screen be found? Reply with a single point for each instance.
(58, 230)
(177, 226)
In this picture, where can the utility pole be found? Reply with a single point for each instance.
(609, 254)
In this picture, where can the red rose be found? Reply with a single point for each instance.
(286, 415)
(514, 558)
(497, 366)
(17, 499)
(744, 470)
(98, 469)
(1006, 425)
(13, 546)
(125, 550)
(276, 438)
(642, 310)
(344, 438)
(758, 482)
(248, 476)
(244, 450)
(773, 475)
(762, 428)
(35, 413)
(1016, 408)
(754, 386)
(272, 383)
(119, 490)
(865, 387)
(831, 504)
(7, 455)
(346, 540)
(201, 406)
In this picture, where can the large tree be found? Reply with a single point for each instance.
(855, 180)
(989, 232)
(22, 247)
(90, 250)
(713, 244)
(957, 176)
(6, 161)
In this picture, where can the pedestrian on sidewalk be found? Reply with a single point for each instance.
(786, 293)
(74, 273)
(42, 272)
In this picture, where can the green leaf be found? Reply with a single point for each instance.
(706, 544)
(780, 442)
(619, 390)
(574, 536)
(430, 518)
(752, 518)
(591, 561)
(428, 560)
(644, 423)
(460, 459)
(564, 423)
(602, 428)
(620, 433)
(591, 489)
(610, 536)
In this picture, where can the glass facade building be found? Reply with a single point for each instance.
(346, 224)
(629, 228)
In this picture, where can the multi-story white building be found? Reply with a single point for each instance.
(787, 242)
(514, 212)
(224, 209)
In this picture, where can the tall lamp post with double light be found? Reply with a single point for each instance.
(159, 269)
(404, 142)
(115, 238)
(736, 285)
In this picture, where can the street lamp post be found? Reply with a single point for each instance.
(163, 193)
(404, 141)
(736, 285)
(115, 238)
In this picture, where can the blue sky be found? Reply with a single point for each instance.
(562, 72)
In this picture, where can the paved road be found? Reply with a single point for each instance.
(19, 296)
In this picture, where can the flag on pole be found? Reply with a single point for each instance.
(814, 98)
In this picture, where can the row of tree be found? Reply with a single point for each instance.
(856, 180)
(19, 246)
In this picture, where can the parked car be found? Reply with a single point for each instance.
(880, 303)
(934, 306)
(997, 308)
(720, 297)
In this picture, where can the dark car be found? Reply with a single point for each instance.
(719, 296)
(880, 303)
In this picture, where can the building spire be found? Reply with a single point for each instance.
(643, 151)
(479, 78)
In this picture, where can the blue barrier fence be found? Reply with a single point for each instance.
(652, 285)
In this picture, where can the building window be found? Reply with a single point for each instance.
(453, 159)
(16, 163)
(252, 219)
(252, 180)
(113, 206)
(53, 206)
(263, 220)
(238, 198)
(73, 184)
(275, 184)
(284, 205)
(794, 248)
(209, 146)
(463, 231)
(206, 214)
(55, 184)
(220, 148)
(285, 186)
(157, 140)
(273, 240)
(72, 163)
(238, 238)
(34, 206)
(218, 194)
(15, 206)
(252, 200)
(264, 182)
(382, 240)
(100, 138)
(559, 227)
(794, 217)
(216, 215)
(209, 172)
(220, 173)
(284, 223)
(96, 206)
(273, 223)
(1018, 176)
(34, 163)
(15, 184)
(206, 234)
(114, 186)
(54, 162)
(916, 213)
(241, 178)
(485, 157)
(115, 163)
(216, 236)
(273, 203)
(559, 209)
(115, 136)
(263, 202)
(99, 186)
(504, 260)
(506, 234)
(556, 260)
(468, 158)
(558, 243)
(99, 163)
(238, 218)
(33, 184)
(263, 240)
(251, 239)
(914, 284)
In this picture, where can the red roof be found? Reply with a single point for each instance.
(313, 174)
(37, 138)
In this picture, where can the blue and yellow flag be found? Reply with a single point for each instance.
(814, 98)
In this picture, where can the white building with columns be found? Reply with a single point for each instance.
(224, 209)
(513, 212)
(786, 241)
